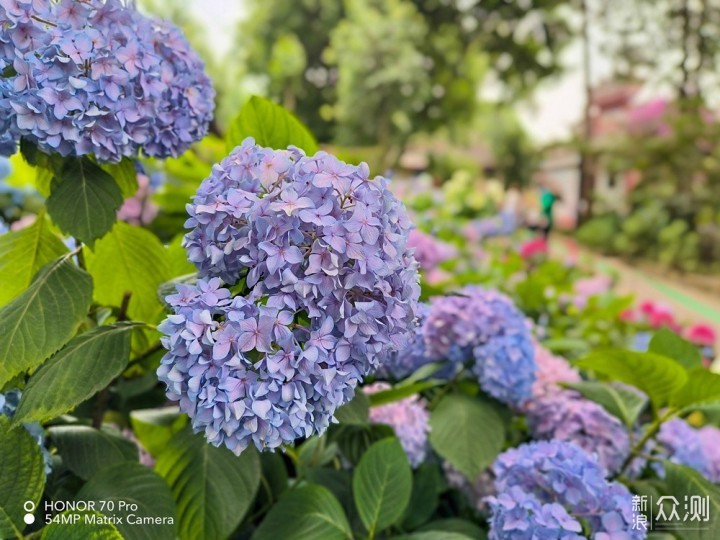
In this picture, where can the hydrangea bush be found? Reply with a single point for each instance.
(291, 322)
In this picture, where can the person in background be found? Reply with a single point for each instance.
(548, 198)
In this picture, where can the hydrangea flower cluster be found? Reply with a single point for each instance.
(413, 355)
(547, 488)
(329, 290)
(430, 254)
(567, 416)
(486, 328)
(409, 419)
(551, 371)
(97, 77)
(681, 443)
(9, 402)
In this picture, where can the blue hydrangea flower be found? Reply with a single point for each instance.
(547, 489)
(330, 290)
(484, 328)
(408, 417)
(679, 442)
(8, 405)
(567, 416)
(97, 77)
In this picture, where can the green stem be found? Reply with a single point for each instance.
(649, 434)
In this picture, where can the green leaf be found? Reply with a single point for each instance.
(457, 526)
(132, 483)
(309, 512)
(155, 427)
(177, 259)
(354, 439)
(621, 402)
(401, 392)
(84, 200)
(86, 450)
(684, 483)
(213, 488)
(427, 485)
(270, 125)
(44, 317)
(87, 364)
(88, 525)
(467, 432)
(355, 412)
(657, 376)
(668, 343)
(382, 485)
(22, 476)
(23, 253)
(124, 174)
(129, 259)
(702, 386)
(274, 477)
(316, 452)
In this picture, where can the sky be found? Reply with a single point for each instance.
(556, 106)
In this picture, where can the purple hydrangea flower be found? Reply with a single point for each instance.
(484, 327)
(429, 251)
(97, 77)
(409, 419)
(710, 443)
(547, 488)
(681, 443)
(567, 416)
(327, 300)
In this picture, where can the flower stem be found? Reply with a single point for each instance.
(651, 431)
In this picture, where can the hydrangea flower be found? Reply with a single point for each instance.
(9, 402)
(409, 419)
(485, 328)
(408, 359)
(97, 77)
(140, 208)
(429, 251)
(679, 442)
(548, 488)
(710, 444)
(567, 416)
(330, 290)
(551, 370)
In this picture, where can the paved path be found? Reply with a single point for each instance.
(690, 305)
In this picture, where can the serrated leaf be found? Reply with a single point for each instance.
(657, 376)
(44, 317)
(355, 412)
(133, 483)
(129, 259)
(309, 512)
(270, 125)
(88, 526)
(22, 476)
(83, 200)
(382, 485)
(702, 386)
(684, 483)
(86, 450)
(84, 366)
(155, 427)
(469, 433)
(124, 174)
(624, 404)
(212, 487)
(668, 343)
(23, 253)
